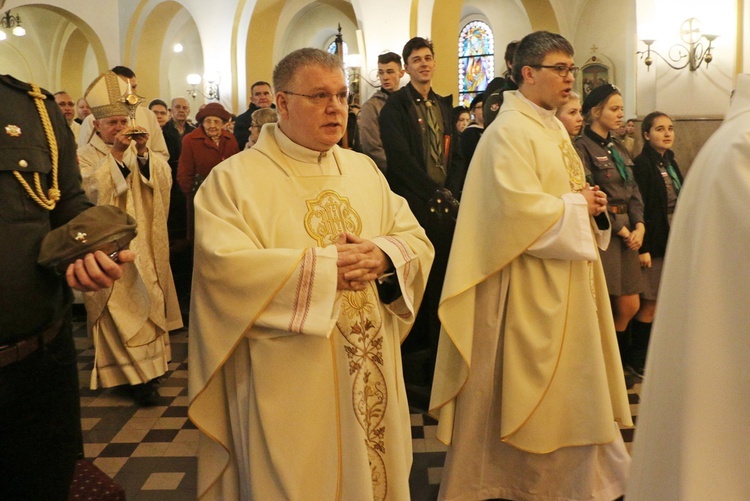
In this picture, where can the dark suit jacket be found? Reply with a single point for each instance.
(404, 151)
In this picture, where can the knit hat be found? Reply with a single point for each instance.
(104, 96)
(213, 110)
(597, 96)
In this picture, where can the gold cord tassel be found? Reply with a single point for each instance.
(49, 201)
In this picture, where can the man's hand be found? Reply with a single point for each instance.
(360, 261)
(140, 141)
(97, 271)
(596, 199)
(120, 143)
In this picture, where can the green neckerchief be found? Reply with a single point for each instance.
(675, 180)
(620, 163)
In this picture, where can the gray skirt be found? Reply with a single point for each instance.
(651, 278)
(622, 268)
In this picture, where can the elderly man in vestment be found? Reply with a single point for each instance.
(692, 442)
(308, 275)
(130, 323)
(528, 385)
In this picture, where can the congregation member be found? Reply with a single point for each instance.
(390, 73)
(570, 115)
(528, 386)
(691, 442)
(68, 107)
(260, 117)
(461, 118)
(626, 134)
(40, 413)
(310, 272)
(659, 181)
(261, 96)
(609, 166)
(202, 150)
(161, 110)
(143, 116)
(473, 132)
(82, 110)
(130, 324)
(425, 167)
(493, 95)
(174, 132)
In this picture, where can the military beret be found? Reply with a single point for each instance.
(596, 96)
(104, 227)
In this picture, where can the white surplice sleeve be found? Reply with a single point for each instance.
(572, 237)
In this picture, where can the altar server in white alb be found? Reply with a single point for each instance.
(692, 441)
(528, 386)
(308, 275)
(130, 322)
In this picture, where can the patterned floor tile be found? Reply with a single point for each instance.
(151, 451)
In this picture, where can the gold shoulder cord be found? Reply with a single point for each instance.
(54, 192)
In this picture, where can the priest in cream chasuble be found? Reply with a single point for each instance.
(295, 376)
(529, 388)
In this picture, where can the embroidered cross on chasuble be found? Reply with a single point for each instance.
(359, 324)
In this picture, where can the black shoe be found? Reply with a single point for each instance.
(145, 394)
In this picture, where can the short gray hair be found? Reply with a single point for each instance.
(534, 47)
(284, 73)
(264, 116)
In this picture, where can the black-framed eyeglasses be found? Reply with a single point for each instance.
(560, 69)
(321, 98)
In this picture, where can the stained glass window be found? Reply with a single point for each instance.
(332, 48)
(476, 60)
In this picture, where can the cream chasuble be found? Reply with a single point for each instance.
(528, 383)
(296, 387)
(130, 322)
(692, 442)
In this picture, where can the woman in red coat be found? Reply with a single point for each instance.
(203, 149)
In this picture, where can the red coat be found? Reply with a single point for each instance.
(200, 154)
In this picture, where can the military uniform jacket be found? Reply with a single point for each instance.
(596, 155)
(31, 297)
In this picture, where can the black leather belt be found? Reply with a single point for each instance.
(16, 352)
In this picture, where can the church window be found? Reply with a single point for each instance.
(476, 60)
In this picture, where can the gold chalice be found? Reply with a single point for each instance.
(131, 100)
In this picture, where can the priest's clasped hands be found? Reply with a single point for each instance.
(360, 261)
(596, 199)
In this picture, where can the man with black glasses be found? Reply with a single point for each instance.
(528, 386)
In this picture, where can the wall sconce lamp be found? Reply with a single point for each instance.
(211, 86)
(10, 22)
(693, 50)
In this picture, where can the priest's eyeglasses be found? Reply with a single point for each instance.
(560, 69)
(323, 98)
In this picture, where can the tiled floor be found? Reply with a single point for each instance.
(151, 451)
